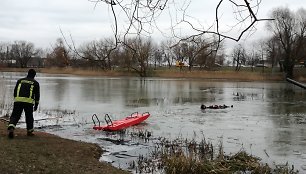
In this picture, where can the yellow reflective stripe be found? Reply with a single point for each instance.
(11, 125)
(31, 91)
(24, 99)
(27, 81)
(18, 89)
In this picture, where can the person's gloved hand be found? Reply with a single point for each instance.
(35, 106)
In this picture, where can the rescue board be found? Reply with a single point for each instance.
(117, 125)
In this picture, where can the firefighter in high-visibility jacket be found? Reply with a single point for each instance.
(26, 98)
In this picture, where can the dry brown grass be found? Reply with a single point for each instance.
(81, 72)
(222, 75)
(183, 156)
(229, 75)
(175, 73)
(45, 153)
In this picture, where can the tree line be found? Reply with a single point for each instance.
(283, 49)
(135, 54)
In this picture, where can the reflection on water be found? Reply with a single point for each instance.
(267, 120)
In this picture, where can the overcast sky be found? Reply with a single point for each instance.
(40, 21)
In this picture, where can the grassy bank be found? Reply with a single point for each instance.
(183, 156)
(221, 74)
(175, 73)
(45, 153)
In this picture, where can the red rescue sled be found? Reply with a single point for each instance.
(116, 125)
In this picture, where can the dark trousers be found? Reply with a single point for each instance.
(17, 111)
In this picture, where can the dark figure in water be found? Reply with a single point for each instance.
(215, 106)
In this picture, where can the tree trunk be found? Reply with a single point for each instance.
(289, 72)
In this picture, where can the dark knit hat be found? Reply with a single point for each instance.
(31, 73)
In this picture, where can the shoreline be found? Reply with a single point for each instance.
(219, 75)
(48, 153)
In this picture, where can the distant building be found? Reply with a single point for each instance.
(36, 62)
(8, 63)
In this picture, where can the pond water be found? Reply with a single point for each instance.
(267, 119)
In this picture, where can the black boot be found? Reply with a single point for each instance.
(30, 133)
(10, 132)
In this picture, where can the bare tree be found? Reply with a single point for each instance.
(59, 56)
(167, 52)
(273, 50)
(239, 56)
(143, 15)
(210, 53)
(289, 28)
(137, 52)
(253, 57)
(195, 50)
(22, 52)
(205, 59)
(4, 51)
(89, 54)
(157, 56)
(116, 57)
(218, 49)
(260, 49)
(126, 57)
(139, 18)
(105, 49)
(97, 53)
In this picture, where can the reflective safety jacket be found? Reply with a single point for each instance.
(27, 91)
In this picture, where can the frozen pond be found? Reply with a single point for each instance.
(267, 119)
